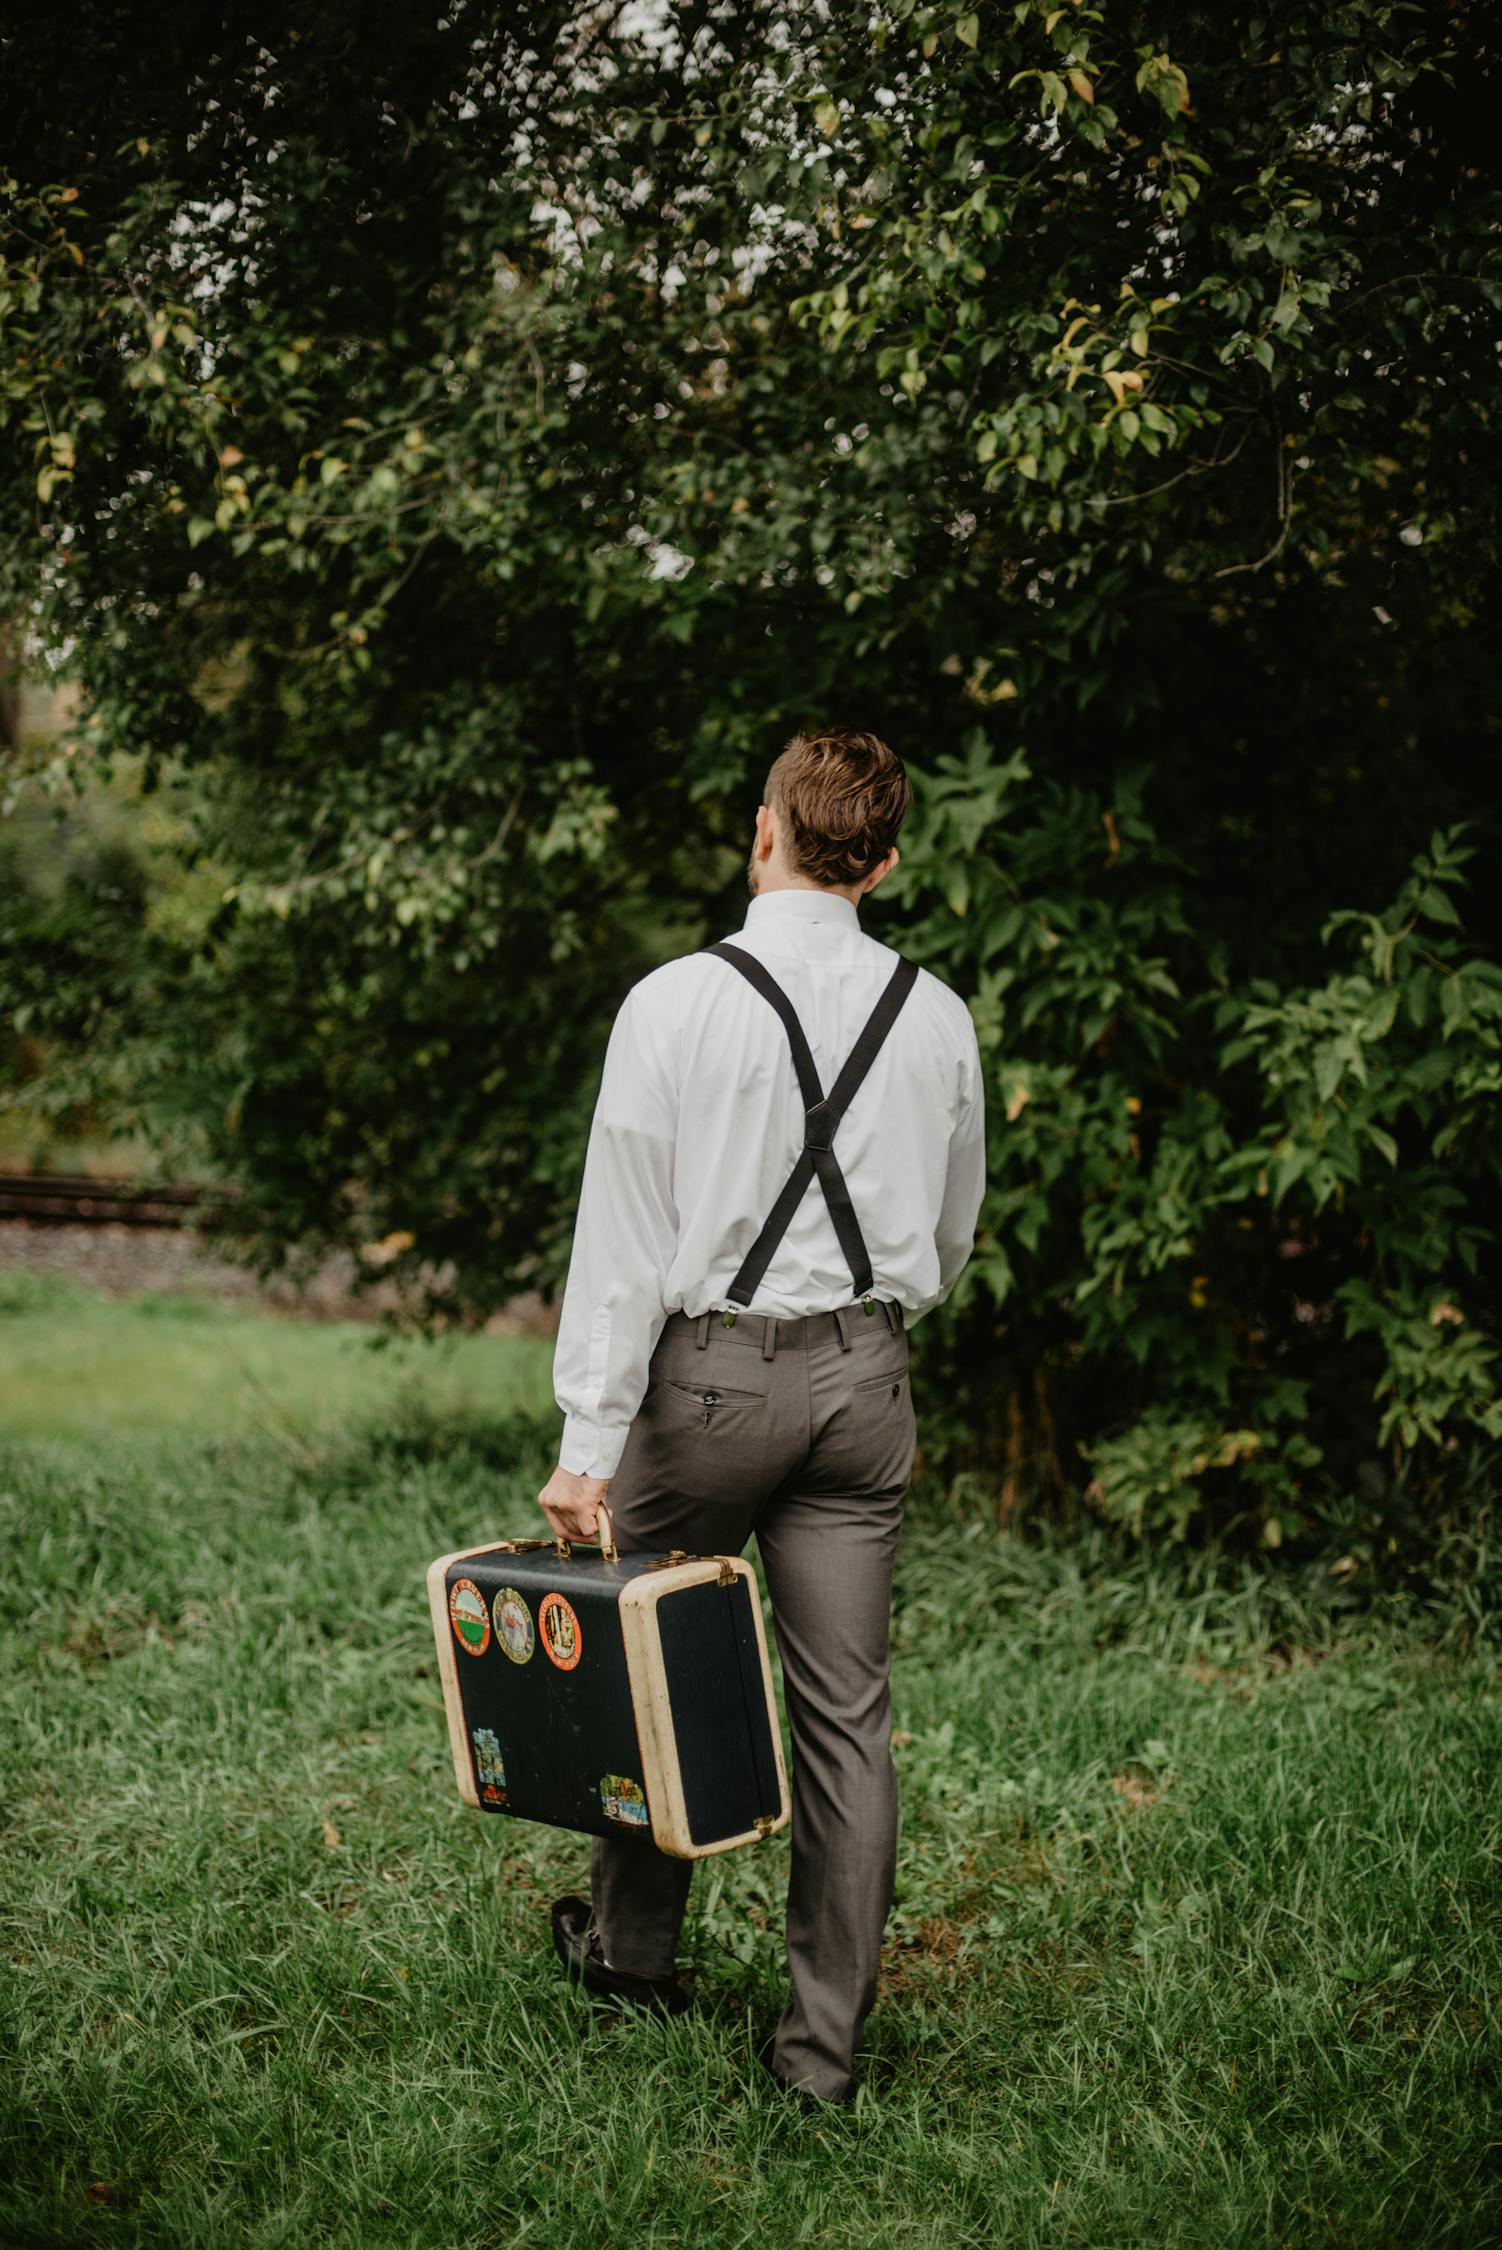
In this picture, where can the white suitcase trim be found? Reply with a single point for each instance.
(661, 1771)
(448, 1662)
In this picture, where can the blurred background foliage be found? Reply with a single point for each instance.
(450, 456)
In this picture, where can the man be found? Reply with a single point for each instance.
(732, 1350)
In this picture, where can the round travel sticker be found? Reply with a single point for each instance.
(624, 1800)
(559, 1628)
(469, 1617)
(513, 1625)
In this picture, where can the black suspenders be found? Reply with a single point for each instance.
(821, 1114)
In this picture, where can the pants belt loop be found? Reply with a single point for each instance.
(890, 1312)
(838, 1316)
(701, 1332)
(768, 1335)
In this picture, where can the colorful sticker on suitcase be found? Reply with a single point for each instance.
(469, 1617)
(559, 1630)
(490, 1769)
(625, 1801)
(513, 1625)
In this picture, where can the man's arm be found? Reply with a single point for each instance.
(965, 1180)
(625, 1235)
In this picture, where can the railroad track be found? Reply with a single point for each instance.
(57, 1199)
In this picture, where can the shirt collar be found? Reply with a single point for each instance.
(801, 906)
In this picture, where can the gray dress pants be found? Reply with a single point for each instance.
(801, 1431)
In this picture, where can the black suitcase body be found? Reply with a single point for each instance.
(618, 1695)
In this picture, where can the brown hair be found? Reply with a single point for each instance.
(840, 798)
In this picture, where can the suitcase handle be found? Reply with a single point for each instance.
(604, 1532)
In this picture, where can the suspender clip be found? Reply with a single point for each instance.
(729, 1319)
(818, 1126)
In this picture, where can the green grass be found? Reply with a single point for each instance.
(73, 1362)
(1196, 1938)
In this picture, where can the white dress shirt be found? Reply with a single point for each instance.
(698, 1123)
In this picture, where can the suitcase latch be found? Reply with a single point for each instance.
(728, 1572)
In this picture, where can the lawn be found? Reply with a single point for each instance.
(75, 1362)
(1196, 1938)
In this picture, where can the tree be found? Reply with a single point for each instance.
(471, 447)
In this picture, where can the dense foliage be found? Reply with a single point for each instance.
(469, 446)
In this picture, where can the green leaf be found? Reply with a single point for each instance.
(1438, 906)
(1329, 1069)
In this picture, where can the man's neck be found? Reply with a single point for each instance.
(804, 902)
(816, 890)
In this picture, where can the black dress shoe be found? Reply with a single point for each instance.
(805, 2098)
(578, 1948)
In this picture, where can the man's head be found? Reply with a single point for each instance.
(829, 815)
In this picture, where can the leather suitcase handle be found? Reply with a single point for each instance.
(604, 1533)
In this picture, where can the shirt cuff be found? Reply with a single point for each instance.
(591, 1449)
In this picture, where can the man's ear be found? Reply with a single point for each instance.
(885, 869)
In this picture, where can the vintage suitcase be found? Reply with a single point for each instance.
(624, 1695)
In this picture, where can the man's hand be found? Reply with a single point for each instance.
(571, 1503)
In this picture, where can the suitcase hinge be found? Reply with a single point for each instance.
(667, 1561)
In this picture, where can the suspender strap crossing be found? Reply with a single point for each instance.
(821, 1115)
